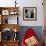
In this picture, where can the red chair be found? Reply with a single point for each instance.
(29, 33)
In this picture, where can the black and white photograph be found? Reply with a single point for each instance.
(30, 13)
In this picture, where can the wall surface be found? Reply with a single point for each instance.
(32, 3)
(26, 3)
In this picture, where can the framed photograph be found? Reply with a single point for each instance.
(29, 13)
(5, 12)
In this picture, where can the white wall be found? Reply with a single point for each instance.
(26, 3)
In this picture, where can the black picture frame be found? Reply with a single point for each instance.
(29, 13)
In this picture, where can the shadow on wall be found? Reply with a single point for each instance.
(37, 29)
